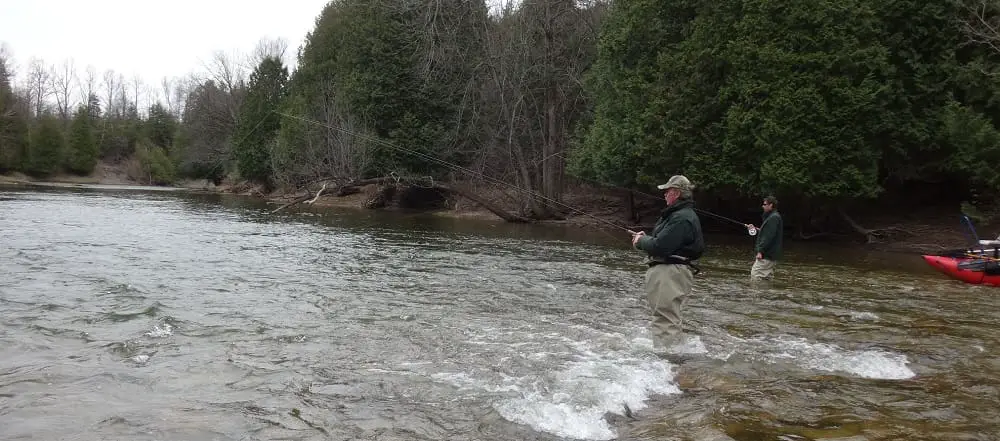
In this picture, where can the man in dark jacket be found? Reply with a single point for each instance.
(768, 246)
(673, 246)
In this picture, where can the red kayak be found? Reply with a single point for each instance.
(983, 270)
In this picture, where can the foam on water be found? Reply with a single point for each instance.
(584, 391)
(689, 345)
(159, 331)
(572, 394)
(856, 315)
(569, 388)
(876, 364)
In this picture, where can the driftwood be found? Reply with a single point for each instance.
(352, 188)
(493, 208)
(293, 202)
(872, 235)
(317, 194)
(300, 199)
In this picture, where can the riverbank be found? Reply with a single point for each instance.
(924, 230)
(104, 174)
(911, 231)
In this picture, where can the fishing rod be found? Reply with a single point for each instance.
(968, 222)
(456, 167)
(751, 231)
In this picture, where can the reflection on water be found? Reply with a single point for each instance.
(153, 315)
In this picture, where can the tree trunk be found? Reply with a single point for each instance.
(527, 185)
(630, 213)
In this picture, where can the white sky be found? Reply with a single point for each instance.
(151, 39)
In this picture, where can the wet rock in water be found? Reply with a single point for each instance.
(628, 412)
(696, 379)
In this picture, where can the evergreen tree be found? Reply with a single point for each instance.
(160, 127)
(750, 95)
(258, 122)
(47, 146)
(377, 63)
(82, 151)
(13, 125)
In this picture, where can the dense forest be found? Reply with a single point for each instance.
(832, 106)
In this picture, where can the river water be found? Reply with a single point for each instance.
(150, 315)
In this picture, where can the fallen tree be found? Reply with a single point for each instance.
(307, 198)
(873, 235)
(352, 187)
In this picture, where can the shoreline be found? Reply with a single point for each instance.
(599, 208)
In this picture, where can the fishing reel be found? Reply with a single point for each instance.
(751, 230)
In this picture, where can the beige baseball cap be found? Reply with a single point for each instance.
(677, 181)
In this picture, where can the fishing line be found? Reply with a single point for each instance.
(219, 162)
(719, 216)
(752, 232)
(457, 167)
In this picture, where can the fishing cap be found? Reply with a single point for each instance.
(679, 182)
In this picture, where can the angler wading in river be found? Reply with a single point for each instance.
(767, 248)
(673, 247)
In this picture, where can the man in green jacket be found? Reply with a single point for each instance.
(768, 246)
(673, 246)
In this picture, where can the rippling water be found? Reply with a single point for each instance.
(145, 315)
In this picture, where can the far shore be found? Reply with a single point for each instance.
(925, 233)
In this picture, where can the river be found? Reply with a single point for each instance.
(152, 315)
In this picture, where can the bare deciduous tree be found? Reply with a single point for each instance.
(268, 48)
(138, 89)
(111, 91)
(227, 71)
(230, 76)
(337, 149)
(167, 89)
(208, 126)
(982, 24)
(87, 83)
(150, 96)
(63, 78)
(37, 83)
(174, 92)
(182, 88)
(537, 51)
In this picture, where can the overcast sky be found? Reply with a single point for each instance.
(152, 39)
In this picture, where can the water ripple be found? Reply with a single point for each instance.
(151, 316)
